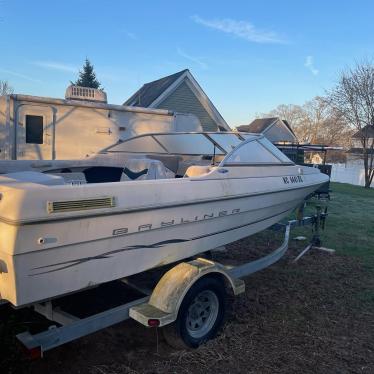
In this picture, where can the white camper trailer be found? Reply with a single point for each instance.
(82, 124)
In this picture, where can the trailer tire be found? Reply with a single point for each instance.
(200, 315)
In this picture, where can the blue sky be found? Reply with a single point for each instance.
(249, 56)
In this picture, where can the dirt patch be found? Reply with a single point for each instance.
(307, 318)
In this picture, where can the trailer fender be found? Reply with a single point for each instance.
(167, 296)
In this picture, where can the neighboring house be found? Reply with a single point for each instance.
(275, 129)
(354, 154)
(316, 159)
(367, 132)
(181, 93)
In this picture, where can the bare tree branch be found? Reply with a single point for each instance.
(353, 99)
(315, 122)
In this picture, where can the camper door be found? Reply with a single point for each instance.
(35, 132)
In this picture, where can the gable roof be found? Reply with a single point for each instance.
(288, 126)
(257, 126)
(149, 92)
(262, 125)
(367, 131)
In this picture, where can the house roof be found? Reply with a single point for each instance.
(367, 131)
(152, 93)
(288, 126)
(259, 125)
(149, 92)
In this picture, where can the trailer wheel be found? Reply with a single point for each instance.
(200, 315)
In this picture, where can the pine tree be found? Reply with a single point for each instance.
(87, 76)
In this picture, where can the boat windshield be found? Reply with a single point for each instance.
(255, 151)
(218, 143)
(236, 148)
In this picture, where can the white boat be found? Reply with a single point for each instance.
(60, 234)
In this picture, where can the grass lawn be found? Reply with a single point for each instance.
(350, 226)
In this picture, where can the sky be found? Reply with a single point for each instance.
(248, 56)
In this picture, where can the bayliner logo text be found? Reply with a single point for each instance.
(292, 179)
(173, 222)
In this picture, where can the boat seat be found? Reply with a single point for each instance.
(133, 174)
(197, 170)
(73, 177)
(143, 169)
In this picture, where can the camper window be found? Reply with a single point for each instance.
(34, 129)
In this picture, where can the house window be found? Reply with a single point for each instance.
(34, 129)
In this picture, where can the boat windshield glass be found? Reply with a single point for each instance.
(143, 144)
(255, 151)
(248, 136)
(278, 153)
(187, 144)
(227, 141)
(181, 143)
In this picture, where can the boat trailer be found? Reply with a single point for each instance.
(162, 305)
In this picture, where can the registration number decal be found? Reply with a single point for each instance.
(293, 179)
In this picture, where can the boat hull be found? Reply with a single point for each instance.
(201, 227)
(48, 257)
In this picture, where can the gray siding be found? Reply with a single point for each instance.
(279, 133)
(185, 101)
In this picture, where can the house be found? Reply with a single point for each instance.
(277, 131)
(181, 93)
(316, 159)
(354, 154)
(274, 128)
(367, 132)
